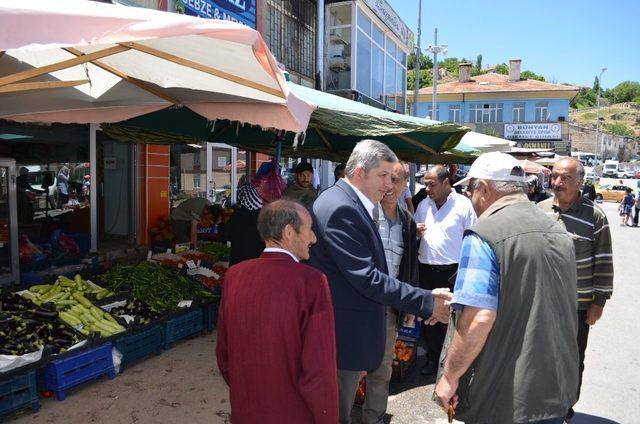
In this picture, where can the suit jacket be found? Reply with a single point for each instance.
(350, 253)
(276, 343)
(409, 262)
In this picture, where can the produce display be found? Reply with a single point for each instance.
(158, 286)
(140, 311)
(215, 251)
(212, 281)
(26, 328)
(75, 309)
(403, 352)
(61, 293)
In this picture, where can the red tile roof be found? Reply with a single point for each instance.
(491, 83)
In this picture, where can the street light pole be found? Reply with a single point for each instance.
(598, 118)
(416, 92)
(435, 49)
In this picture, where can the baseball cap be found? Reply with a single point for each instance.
(495, 166)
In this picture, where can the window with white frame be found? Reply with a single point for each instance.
(339, 39)
(542, 111)
(430, 114)
(381, 71)
(196, 181)
(518, 112)
(486, 112)
(454, 113)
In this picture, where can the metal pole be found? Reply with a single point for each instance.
(598, 119)
(435, 76)
(416, 93)
(93, 198)
(320, 47)
(234, 174)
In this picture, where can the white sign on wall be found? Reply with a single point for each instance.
(391, 18)
(546, 131)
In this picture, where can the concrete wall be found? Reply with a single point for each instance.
(610, 146)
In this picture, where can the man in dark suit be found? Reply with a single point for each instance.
(276, 341)
(350, 253)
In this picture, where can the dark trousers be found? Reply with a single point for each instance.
(583, 335)
(433, 277)
(635, 216)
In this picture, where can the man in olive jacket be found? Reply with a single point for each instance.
(511, 356)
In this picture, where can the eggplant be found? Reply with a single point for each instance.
(45, 314)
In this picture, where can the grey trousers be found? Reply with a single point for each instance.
(348, 382)
(375, 404)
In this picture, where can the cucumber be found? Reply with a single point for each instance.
(82, 300)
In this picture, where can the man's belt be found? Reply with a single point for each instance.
(448, 267)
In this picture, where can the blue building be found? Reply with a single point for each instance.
(532, 113)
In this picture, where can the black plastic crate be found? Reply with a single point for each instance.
(19, 392)
(140, 344)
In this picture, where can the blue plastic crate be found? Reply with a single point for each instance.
(139, 344)
(182, 326)
(63, 374)
(409, 333)
(210, 316)
(18, 393)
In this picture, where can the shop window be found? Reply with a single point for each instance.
(392, 48)
(339, 15)
(401, 80)
(290, 34)
(363, 65)
(339, 59)
(364, 23)
(378, 74)
(390, 82)
(518, 112)
(378, 35)
(542, 111)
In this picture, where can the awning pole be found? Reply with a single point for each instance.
(93, 198)
(278, 152)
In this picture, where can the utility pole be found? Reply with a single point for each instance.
(416, 93)
(595, 159)
(435, 49)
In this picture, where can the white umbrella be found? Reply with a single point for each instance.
(486, 143)
(76, 61)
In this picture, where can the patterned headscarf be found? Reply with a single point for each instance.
(249, 198)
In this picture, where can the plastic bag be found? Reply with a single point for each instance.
(28, 251)
(68, 245)
(268, 182)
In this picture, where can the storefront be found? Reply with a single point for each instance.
(241, 11)
(366, 48)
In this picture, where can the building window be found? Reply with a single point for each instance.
(196, 181)
(291, 33)
(486, 112)
(518, 112)
(542, 112)
(454, 113)
(381, 71)
(430, 112)
(339, 51)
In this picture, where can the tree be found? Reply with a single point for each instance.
(596, 84)
(502, 69)
(624, 92)
(586, 97)
(425, 61)
(426, 79)
(525, 75)
(479, 63)
(450, 64)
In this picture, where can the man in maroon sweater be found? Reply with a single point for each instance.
(276, 337)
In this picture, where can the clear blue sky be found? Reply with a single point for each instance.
(564, 40)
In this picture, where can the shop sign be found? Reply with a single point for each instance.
(391, 18)
(241, 11)
(536, 144)
(543, 131)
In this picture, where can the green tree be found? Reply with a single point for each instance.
(450, 64)
(596, 84)
(624, 92)
(479, 63)
(526, 75)
(426, 79)
(425, 61)
(502, 69)
(586, 97)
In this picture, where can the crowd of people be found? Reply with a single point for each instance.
(506, 287)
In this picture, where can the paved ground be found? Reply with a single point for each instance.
(183, 385)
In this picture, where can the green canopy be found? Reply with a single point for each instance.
(335, 127)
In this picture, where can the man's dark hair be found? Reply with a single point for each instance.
(442, 173)
(303, 166)
(215, 211)
(339, 169)
(275, 216)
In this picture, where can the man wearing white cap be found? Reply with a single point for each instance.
(510, 351)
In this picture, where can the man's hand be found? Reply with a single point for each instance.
(441, 301)
(594, 312)
(446, 390)
(420, 229)
(408, 320)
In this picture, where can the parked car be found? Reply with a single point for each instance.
(625, 173)
(611, 192)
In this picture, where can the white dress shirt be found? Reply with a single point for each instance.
(368, 204)
(442, 239)
(278, 250)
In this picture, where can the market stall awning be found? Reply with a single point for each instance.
(78, 61)
(487, 143)
(335, 126)
(533, 168)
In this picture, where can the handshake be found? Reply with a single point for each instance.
(441, 301)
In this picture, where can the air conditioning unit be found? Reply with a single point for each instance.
(561, 118)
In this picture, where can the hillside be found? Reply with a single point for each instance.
(620, 119)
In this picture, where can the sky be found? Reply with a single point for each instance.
(567, 41)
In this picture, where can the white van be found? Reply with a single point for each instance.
(611, 168)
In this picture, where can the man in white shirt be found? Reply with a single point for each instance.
(442, 219)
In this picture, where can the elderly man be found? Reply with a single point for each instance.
(351, 254)
(398, 235)
(276, 342)
(302, 190)
(587, 225)
(442, 218)
(511, 352)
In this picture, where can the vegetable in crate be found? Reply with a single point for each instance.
(142, 313)
(159, 287)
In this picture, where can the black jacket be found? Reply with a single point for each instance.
(409, 264)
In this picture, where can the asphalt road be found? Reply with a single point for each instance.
(611, 388)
